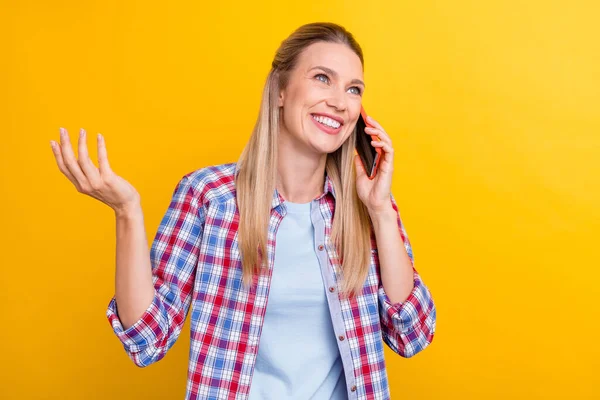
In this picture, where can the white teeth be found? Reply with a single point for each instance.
(327, 121)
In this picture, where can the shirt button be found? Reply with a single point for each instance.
(353, 388)
(321, 247)
(331, 289)
(341, 337)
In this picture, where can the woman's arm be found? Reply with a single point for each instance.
(134, 289)
(406, 307)
(133, 272)
(149, 332)
(395, 265)
(153, 288)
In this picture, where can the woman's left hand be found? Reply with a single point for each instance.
(375, 193)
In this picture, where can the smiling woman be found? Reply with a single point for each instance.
(296, 265)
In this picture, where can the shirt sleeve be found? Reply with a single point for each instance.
(407, 327)
(174, 256)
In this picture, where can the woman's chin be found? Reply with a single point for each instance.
(323, 146)
(328, 149)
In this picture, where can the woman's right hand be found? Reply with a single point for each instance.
(100, 183)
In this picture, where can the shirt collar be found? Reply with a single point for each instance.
(327, 188)
(278, 199)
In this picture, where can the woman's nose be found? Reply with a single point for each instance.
(337, 100)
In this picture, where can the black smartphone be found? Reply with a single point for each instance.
(368, 154)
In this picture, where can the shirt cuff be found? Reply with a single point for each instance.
(145, 332)
(407, 315)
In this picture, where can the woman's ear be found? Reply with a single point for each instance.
(280, 99)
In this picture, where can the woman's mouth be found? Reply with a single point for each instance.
(327, 124)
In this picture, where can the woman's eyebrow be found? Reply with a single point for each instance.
(335, 74)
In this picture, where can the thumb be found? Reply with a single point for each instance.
(360, 171)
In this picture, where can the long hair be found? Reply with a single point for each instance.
(257, 172)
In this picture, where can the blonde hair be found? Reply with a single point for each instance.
(257, 172)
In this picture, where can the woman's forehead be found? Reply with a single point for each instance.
(335, 56)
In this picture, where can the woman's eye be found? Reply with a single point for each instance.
(325, 79)
(322, 78)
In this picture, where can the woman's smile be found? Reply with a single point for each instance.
(327, 123)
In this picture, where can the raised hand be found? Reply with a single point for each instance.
(375, 194)
(100, 183)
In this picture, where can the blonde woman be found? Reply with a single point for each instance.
(296, 266)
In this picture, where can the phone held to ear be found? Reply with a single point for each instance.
(369, 155)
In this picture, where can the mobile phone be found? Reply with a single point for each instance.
(369, 155)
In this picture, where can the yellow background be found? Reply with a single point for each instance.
(494, 109)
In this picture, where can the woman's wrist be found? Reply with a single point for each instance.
(130, 210)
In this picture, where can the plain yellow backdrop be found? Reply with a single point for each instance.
(494, 110)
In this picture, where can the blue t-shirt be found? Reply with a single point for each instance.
(298, 355)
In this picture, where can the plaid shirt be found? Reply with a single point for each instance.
(196, 261)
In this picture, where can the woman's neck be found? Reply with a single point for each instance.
(300, 177)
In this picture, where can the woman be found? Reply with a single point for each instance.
(295, 264)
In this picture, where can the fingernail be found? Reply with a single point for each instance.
(52, 144)
(62, 131)
(100, 136)
(81, 132)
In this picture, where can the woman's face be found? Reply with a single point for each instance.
(321, 102)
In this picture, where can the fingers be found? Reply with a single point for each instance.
(60, 162)
(70, 161)
(381, 134)
(103, 157)
(384, 142)
(378, 129)
(89, 169)
(388, 156)
(376, 124)
(72, 167)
